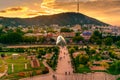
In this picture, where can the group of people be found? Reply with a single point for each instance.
(67, 73)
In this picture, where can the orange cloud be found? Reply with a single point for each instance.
(13, 9)
(32, 14)
(3, 11)
(48, 6)
(37, 14)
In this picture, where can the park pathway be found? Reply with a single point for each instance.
(64, 71)
(64, 62)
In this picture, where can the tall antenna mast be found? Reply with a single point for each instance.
(78, 6)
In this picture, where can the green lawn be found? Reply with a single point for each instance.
(1, 61)
(19, 68)
(19, 64)
(2, 66)
(83, 70)
(113, 72)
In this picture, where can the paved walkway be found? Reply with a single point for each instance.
(65, 71)
(64, 63)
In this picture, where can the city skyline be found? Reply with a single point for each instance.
(107, 11)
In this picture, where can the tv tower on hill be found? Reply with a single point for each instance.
(78, 6)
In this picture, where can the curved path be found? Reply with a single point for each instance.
(64, 71)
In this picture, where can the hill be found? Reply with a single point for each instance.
(63, 19)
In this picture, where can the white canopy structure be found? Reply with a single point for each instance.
(60, 41)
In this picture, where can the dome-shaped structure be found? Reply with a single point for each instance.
(60, 41)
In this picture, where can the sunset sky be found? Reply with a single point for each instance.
(105, 10)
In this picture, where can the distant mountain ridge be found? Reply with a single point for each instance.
(62, 19)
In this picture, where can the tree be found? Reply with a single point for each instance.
(66, 30)
(10, 31)
(76, 48)
(96, 37)
(1, 31)
(115, 67)
(52, 40)
(71, 50)
(97, 33)
(41, 39)
(49, 50)
(108, 41)
(77, 39)
(30, 31)
(56, 49)
(104, 64)
(29, 39)
(118, 43)
(42, 52)
(77, 34)
(39, 56)
(11, 38)
(90, 52)
(99, 41)
(18, 30)
(82, 59)
(0, 48)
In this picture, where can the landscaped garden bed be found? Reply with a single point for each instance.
(95, 59)
(19, 71)
(52, 62)
(19, 63)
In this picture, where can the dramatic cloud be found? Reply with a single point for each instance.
(35, 13)
(32, 14)
(3, 11)
(13, 9)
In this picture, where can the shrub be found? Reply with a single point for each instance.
(81, 66)
(38, 72)
(45, 70)
(118, 78)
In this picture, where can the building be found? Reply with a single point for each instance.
(37, 35)
(68, 34)
(76, 28)
(86, 35)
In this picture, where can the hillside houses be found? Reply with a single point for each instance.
(76, 28)
(86, 35)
